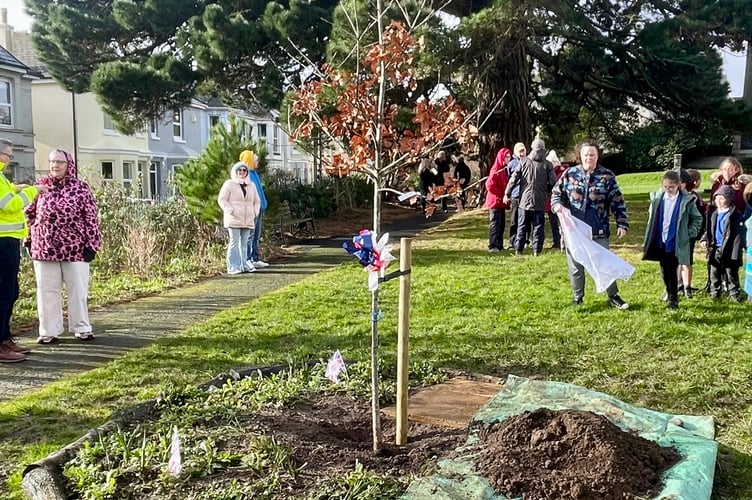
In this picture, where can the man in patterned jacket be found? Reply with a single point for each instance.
(590, 191)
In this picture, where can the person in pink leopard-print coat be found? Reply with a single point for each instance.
(64, 237)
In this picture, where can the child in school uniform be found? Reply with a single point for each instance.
(724, 244)
(673, 220)
(691, 180)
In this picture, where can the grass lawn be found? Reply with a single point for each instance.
(492, 313)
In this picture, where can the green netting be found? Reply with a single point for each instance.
(693, 436)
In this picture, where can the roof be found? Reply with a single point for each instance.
(8, 59)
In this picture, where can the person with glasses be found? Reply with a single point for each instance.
(254, 257)
(241, 205)
(13, 228)
(64, 228)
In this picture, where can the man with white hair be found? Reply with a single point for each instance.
(553, 219)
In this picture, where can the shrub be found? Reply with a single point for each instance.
(148, 239)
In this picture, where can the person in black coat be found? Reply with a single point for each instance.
(427, 181)
(442, 165)
(462, 175)
(724, 241)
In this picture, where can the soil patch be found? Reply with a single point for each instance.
(332, 432)
(326, 434)
(570, 454)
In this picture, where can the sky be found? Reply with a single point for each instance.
(733, 63)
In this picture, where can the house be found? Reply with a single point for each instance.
(144, 162)
(282, 156)
(172, 141)
(16, 122)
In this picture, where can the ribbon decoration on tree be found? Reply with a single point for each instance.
(374, 255)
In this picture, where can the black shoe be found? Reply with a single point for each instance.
(735, 298)
(688, 293)
(618, 303)
(673, 302)
(577, 302)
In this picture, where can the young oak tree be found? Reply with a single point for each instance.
(352, 109)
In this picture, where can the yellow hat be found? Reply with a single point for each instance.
(249, 158)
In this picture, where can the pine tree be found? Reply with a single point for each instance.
(201, 178)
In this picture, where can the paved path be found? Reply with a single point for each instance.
(123, 327)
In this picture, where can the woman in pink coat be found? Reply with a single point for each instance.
(240, 204)
(64, 234)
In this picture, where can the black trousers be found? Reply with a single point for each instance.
(496, 222)
(514, 206)
(669, 265)
(10, 260)
(722, 271)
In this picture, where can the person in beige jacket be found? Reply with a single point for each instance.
(240, 204)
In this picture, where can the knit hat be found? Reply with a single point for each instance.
(727, 192)
(249, 158)
(553, 158)
(518, 147)
(538, 144)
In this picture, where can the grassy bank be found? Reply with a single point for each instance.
(492, 313)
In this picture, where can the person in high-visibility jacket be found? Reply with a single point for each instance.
(13, 199)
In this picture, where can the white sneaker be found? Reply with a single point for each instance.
(260, 263)
(235, 271)
(249, 265)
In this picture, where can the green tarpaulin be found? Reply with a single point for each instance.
(693, 436)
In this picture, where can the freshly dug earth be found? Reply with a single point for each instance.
(570, 454)
(332, 432)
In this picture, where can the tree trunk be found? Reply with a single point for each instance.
(506, 76)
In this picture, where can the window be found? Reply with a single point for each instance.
(172, 185)
(6, 105)
(154, 128)
(262, 130)
(275, 140)
(140, 178)
(153, 172)
(109, 125)
(213, 120)
(177, 125)
(127, 174)
(106, 170)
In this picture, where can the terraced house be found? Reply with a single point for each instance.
(146, 161)
(16, 122)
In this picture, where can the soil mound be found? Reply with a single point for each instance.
(570, 454)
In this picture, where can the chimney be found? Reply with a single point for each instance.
(6, 31)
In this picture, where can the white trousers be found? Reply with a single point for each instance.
(50, 279)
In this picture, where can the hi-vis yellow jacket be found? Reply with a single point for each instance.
(12, 204)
